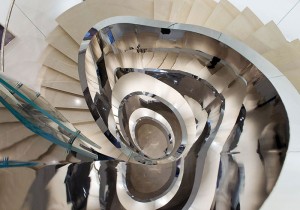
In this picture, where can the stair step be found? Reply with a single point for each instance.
(6, 116)
(61, 99)
(200, 12)
(88, 128)
(266, 38)
(223, 14)
(181, 61)
(91, 73)
(200, 43)
(169, 61)
(112, 63)
(12, 133)
(77, 116)
(91, 12)
(180, 10)
(221, 79)
(61, 41)
(286, 57)
(157, 60)
(61, 63)
(28, 149)
(244, 25)
(131, 60)
(126, 42)
(162, 9)
(68, 87)
(55, 154)
(234, 97)
(147, 39)
(164, 43)
(147, 58)
(55, 80)
(194, 67)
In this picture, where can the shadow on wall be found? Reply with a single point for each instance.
(8, 38)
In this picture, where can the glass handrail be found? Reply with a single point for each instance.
(54, 128)
(6, 163)
(20, 93)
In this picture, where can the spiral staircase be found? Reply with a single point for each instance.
(60, 86)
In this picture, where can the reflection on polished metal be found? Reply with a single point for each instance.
(210, 107)
(196, 121)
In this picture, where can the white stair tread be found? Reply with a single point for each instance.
(59, 62)
(221, 79)
(244, 25)
(51, 75)
(181, 61)
(223, 14)
(69, 87)
(55, 80)
(162, 9)
(126, 42)
(87, 14)
(61, 41)
(77, 116)
(157, 60)
(91, 73)
(147, 39)
(266, 38)
(88, 129)
(169, 61)
(147, 58)
(201, 43)
(55, 154)
(286, 57)
(28, 149)
(200, 12)
(12, 133)
(196, 68)
(131, 60)
(180, 10)
(7, 116)
(62, 99)
(234, 97)
(164, 43)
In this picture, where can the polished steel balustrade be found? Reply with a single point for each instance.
(207, 103)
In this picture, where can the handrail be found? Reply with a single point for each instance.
(29, 101)
(76, 134)
(4, 35)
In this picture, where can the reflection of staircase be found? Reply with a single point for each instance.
(61, 86)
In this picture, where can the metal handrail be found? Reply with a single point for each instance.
(4, 35)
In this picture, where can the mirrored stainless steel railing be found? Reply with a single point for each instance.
(212, 104)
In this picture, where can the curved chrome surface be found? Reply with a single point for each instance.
(223, 123)
(221, 89)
